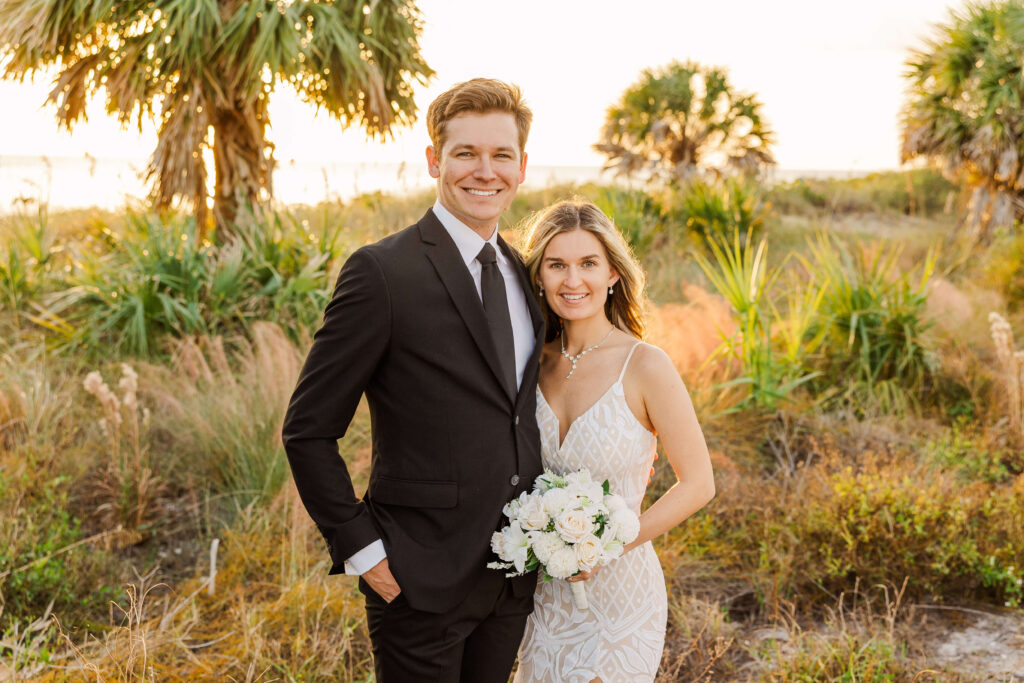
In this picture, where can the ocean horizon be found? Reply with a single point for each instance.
(72, 182)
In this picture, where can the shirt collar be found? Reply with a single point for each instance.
(467, 240)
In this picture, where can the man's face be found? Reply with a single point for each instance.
(479, 168)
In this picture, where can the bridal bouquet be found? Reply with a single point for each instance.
(566, 525)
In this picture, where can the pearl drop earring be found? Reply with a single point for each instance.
(610, 291)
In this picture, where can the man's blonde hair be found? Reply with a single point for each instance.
(479, 96)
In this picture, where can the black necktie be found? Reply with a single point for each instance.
(492, 290)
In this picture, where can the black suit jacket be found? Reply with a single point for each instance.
(451, 443)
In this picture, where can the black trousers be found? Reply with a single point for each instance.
(474, 643)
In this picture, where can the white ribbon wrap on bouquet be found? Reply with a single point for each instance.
(579, 594)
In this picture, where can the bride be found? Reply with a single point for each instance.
(604, 398)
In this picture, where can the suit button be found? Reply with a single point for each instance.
(514, 480)
(517, 420)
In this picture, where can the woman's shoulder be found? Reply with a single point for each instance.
(650, 363)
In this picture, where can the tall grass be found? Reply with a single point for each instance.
(219, 411)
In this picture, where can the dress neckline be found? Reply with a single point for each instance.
(558, 423)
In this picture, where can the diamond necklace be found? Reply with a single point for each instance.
(575, 359)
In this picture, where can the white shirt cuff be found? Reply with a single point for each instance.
(366, 559)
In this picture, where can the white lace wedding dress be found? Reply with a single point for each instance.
(620, 638)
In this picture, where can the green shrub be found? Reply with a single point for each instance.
(637, 214)
(919, 192)
(157, 279)
(962, 450)
(717, 210)
(947, 538)
(872, 322)
(769, 344)
(1004, 266)
(845, 657)
(28, 257)
(39, 573)
(797, 197)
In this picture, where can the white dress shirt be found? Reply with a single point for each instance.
(469, 243)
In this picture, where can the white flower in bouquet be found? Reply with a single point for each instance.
(581, 485)
(627, 525)
(545, 544)
(612, 548)
(589, 551)
(548, 480)
(572, 525)
(532, 514)
(511, 509)
(556, 500)
(615, 503)
(562, 564)
(511, 544)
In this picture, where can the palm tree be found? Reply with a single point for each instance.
(681, 119)
(965, 108)
(204, 71)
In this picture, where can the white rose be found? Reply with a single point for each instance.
(627, 525)
(532, 515)
(545, 544)
(555, 501)
(588, 552)
(572, 525)
(562, 564)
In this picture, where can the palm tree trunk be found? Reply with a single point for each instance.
(242, 162)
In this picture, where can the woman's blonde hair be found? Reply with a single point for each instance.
(624, 307)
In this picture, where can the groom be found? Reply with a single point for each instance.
(437, 326)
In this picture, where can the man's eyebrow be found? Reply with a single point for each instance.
(470, 146)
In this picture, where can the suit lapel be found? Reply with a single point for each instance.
(452, 271)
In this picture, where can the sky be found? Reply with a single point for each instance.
(828, 73)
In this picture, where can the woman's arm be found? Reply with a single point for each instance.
(670, 411)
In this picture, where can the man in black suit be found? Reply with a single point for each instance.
(438, 326)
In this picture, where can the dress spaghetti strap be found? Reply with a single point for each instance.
(626, 364)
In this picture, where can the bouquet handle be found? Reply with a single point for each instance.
(579, 594)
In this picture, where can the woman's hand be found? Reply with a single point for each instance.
(584, 576)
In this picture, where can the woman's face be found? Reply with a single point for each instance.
(576, 274)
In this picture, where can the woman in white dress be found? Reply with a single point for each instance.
(604, 398)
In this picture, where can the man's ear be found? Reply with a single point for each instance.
(522, 169)
(433, 162)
